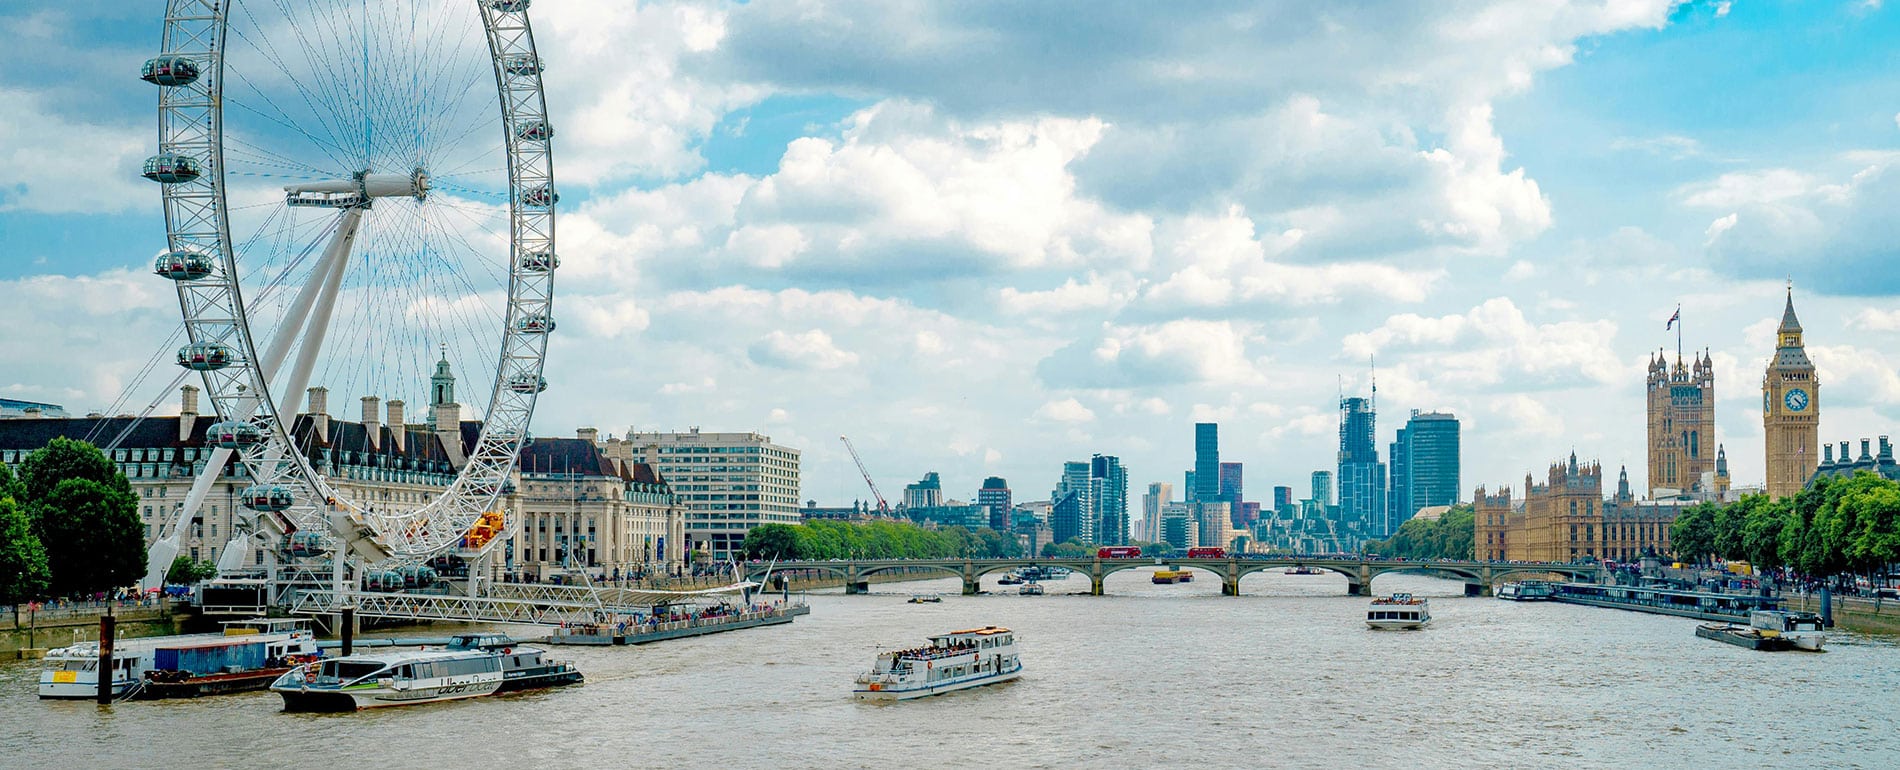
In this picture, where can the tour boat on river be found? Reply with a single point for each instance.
(246, 656)
(1167, 576)
(1802, 629)
(1527, 591)
(1398, 611)
(472, 665)
(954, 661)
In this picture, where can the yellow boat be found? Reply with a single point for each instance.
(1166, 576)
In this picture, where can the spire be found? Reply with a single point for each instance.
(1790, 324)
(442, 385)
(1721, 460)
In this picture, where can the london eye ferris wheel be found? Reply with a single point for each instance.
(354, 191)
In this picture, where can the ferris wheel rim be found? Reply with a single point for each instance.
(198, 220)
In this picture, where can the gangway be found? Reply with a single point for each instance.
(522, 603)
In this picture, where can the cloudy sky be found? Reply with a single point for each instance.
(985, 237)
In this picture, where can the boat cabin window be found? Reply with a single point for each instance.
(78, 665)
(347, 670)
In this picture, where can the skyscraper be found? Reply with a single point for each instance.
(1111, 501)
(1072, 513)
(1282, 497)
(1230, 492)
(1790, 410)
(1160, 494)
(1425, 466)
(1206, 483)
(995, 496)
(1361, 474)
(1323, 488)
(927, 493)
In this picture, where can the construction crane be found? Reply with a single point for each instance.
(883, 508)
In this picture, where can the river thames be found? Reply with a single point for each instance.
(1149, 676)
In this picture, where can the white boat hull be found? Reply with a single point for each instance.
(1397, 625)
(934, 689)
(1812, 642)
(331, 699)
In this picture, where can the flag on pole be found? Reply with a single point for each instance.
(1673, 319)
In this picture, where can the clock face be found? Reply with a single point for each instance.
(1796, 400)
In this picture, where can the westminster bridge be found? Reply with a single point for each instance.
(1479, 576)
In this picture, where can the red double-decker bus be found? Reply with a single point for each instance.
(1207, 553)
(1118, 552)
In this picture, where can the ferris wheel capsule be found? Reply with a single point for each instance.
(169, 168)
(540, 196)
(205, 357)
(540, 261)
(535, 131)
(233, 434)
(522, 65)
(509, 6)
(267, 498)
(169, 71)
(535, 324)
(182, 265)
(527, 383)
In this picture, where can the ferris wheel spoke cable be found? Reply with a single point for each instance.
(311, 95)
(281, 118)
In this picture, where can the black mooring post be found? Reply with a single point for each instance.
(349, 629)
(107, 627)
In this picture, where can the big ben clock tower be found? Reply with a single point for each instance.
(1790, 410)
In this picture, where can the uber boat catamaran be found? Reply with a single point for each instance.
(472, 665)
(1398, 611)
(954, 661)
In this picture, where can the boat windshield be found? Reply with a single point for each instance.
(346, 670)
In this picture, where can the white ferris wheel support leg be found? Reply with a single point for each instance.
(336, 257)
(159, 557)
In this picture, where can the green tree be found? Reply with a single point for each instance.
(23, 571)
(1450, 536)
(1693, 533)
(85, 515)
(1071, 549)
(1878, 541)
(62, 459)
(773, 541)
(1762, 520)
(186, 571)
(92, 535)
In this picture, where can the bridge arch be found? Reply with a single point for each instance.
(952, 570)
(1251, 567)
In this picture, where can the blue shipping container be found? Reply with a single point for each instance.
(210, 659)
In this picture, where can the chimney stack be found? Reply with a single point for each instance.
(373, 422)
(1846, 454)
(589, 435)
(448, 432)
(1886, 450)
(396, 425)
(1866, 454)
(187, 412)
(319, 399)
(1827, 454)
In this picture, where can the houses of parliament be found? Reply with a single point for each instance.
(1566, 517)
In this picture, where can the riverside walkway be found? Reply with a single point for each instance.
(1479, 576)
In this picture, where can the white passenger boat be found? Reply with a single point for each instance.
(471, 666)
(954, 661)
(1527, 591)
(1803, 629)
(247, 655)
(1398, 611)
(1030, 589)
(398, 678)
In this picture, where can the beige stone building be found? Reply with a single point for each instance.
(576, 506)
(1682, 444)
(1566, 518)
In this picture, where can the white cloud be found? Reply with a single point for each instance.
(1875, 320)
(1495, 343)
(1175, 352)
(1066, 410)
(811, 349)
(52, 163)
(1833, 227)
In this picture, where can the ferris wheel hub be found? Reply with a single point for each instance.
(359, 190)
